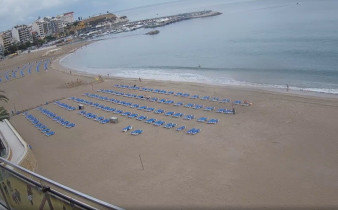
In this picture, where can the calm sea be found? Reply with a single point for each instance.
(263, 43)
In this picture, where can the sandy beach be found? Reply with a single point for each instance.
(279, 152)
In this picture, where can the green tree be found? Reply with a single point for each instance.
(49, 38)
(3, 112)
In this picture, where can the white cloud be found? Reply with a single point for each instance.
(21, 11)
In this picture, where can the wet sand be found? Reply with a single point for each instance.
(279, 152)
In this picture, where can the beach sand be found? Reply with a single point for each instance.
(279, 152)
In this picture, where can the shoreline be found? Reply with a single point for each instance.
(248, 87)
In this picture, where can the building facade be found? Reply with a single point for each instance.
(22, 34)
(47, 26)
(6, 39)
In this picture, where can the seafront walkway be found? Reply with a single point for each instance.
(18, 151)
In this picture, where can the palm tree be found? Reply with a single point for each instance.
(3, 112)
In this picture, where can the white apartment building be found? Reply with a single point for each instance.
(6, 39)
(47, 26)
(22, 34)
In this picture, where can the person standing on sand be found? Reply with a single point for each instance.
(139, 79)
(287, 87)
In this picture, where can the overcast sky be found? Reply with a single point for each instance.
(13, 12)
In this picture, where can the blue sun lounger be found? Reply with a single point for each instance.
(209, 108)
(214, 99)
(177, 115)
(237, 102)
(99, 118)
(150, 121)
(189, 105)
(194, 97)
(118, 111)
(70, 125)
(141, 118)
(50, 133)
(178, 104)
(225, 100)
(162, 101)
(169, 102)
(153, 99)
(136, 132)
(133, 115)
(193, 131)
(142, 108)
(221, 110)
(104, 121)
(197, 106)
(126, 113)
(150, 109)
(169, 125)
(180, 128)
(159, 111)
(205, 98)
(202, 119)
(158, 123)
(228, 111)
(212, 121)
(135, 106)
(169, 113)
(189, 117)
(129, 127)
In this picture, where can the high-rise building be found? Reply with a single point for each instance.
(6, 39)
(39, 27)
(47, 26)
(22, 34)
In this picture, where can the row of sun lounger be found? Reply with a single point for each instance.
(184, 95)
(56, 118)
(134, 115)
(95, 117)
(154, 99)
(65, 106)
(150, 109)
(43, 128)
(13, 74)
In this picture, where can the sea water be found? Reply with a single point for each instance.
(262, 43)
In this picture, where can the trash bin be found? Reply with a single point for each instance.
(113, 120)
(81, 106)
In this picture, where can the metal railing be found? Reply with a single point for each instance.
(16, 181)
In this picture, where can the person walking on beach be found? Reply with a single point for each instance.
(139, 79)
(287, 87)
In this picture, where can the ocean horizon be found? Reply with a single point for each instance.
(265, 44)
